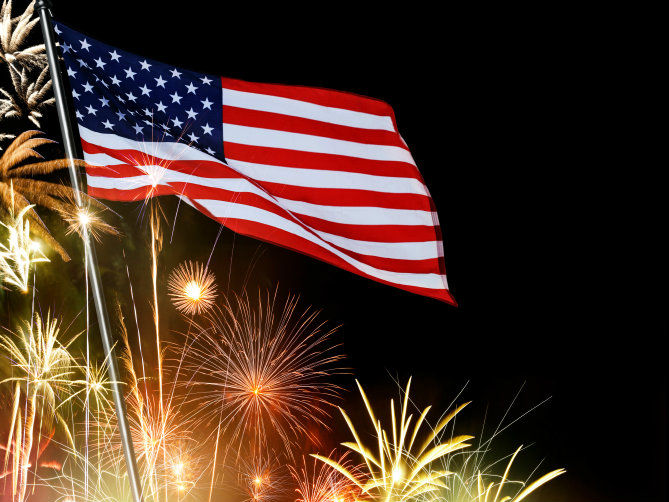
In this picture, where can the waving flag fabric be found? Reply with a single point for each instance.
(318, 171)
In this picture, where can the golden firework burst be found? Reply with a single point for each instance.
(399, 472)
(192, 288)
(262, 372)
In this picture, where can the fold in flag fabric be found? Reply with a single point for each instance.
(317, 171)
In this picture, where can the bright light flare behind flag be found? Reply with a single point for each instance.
(318, 171)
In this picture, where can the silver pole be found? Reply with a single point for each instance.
(91, 257)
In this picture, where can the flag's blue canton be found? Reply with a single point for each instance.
(141, 99)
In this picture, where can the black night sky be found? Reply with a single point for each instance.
(551, 271)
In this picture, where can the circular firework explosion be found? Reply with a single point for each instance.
(262, 372)
(192, 288)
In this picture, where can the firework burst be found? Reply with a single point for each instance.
(31, 98)
(45, 370)
(322, 483)
(398, 472)
(262, 477)
(18, 188)
(14, 34)
(19, 252)
(88, 217)
(192, 288)
(261, 376)
(475, 479)
(153, 159)
(488, 488)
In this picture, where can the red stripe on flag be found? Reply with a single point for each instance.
(290, 241)
(280, 122)
(317, 161)
(315, 95)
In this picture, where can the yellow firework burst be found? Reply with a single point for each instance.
(399, 472)
(491, 491)
(19, 252)
(192, 288)
(471, 480)
(43, 371)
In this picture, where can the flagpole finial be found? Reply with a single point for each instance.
(43, 4)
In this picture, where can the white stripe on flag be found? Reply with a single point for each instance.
(398, 250)
(317, 178)
(350, 215)
(223, 210)
(361, 215)
(271, 138)
(167, 150)
(304, 109)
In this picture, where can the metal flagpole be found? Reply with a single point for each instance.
(91, 258)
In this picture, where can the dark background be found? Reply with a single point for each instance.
(549, 252)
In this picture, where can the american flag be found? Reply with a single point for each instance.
(318, 171)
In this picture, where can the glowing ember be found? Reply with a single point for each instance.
(84, 217)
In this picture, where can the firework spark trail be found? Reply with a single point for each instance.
(88, 372)
(266, 373)
(47, 364)
(399, 472)
(261, 476)
(139, 335)
(474, 479)
(85, 222)
(156, 247)
(322, 483)
(153, 166)
(154, 427)
(156, 169)
(20, 252)
(157, 423)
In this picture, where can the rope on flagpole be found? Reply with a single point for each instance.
(43, 7)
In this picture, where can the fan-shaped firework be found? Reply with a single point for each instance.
(260, 374)
(16, 176)
(397, 472)
(192, 288)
